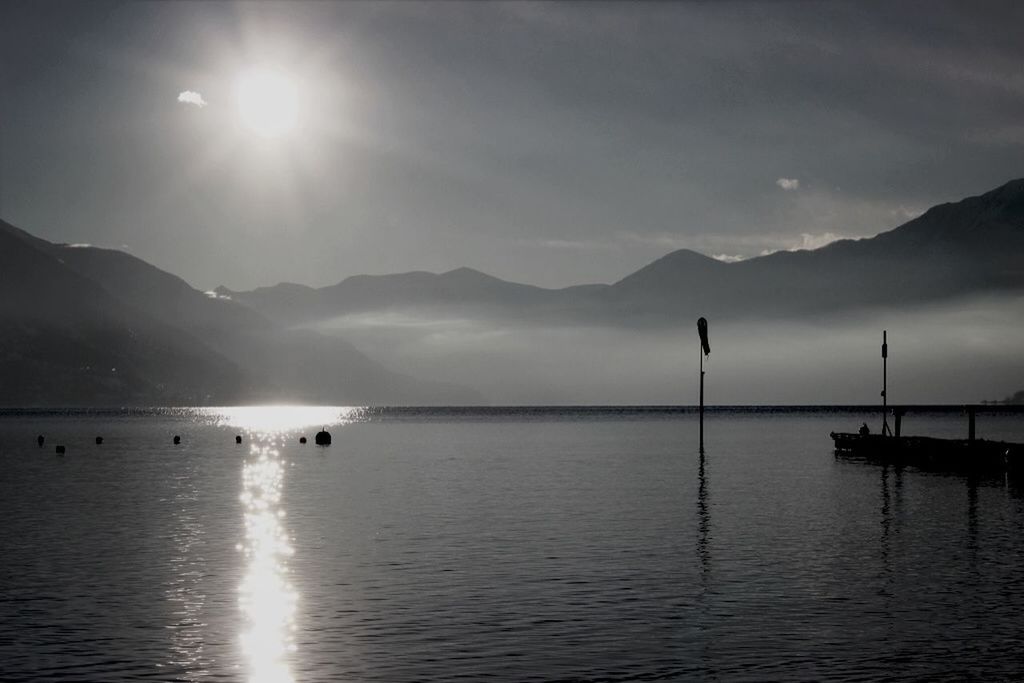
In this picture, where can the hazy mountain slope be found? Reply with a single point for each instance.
(464, 289)
(284, 303)
(164, 296)
(664, 290)
(82, 290)
(65, 340)
(970, 247)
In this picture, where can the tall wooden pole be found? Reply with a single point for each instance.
(705, 349)
(885, 385)
(702, 400)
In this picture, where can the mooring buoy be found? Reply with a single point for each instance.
(302, 439)
(238, 439)
(99, 440)
(39, 440)
(323, 438)
(60, 450)
(177, 440)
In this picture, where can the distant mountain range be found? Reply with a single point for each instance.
(88, 326)
(965, 248)
(83, 325)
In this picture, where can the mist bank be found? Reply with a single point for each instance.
(966, 350)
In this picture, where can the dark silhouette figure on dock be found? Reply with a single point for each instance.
(40, 439)
(864, 430)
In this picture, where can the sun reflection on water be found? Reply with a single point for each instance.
(267, 421)
(266, 596)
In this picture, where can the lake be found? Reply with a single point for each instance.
(544, 544)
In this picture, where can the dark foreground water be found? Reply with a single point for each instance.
(508, 545)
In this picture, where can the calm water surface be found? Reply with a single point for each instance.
(508, 545)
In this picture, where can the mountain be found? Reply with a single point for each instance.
(66, 340)
(952, 250)
(958, 249)
(464, 288)
(83, 325)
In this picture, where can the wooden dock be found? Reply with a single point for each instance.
(926, 451)
(891, 447)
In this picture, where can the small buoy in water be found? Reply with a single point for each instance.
(238, 439)
(60, 450)
(177, 440)
(302, 439)
(323, 438)
(40, 440)
(99, 440)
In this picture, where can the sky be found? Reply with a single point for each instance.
(547, 143)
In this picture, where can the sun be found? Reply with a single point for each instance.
(268, 102)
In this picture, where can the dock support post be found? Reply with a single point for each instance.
(970, 423)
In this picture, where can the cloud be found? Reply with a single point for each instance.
(191, 97)
(816, 241)
(788, 183)
(728, 258)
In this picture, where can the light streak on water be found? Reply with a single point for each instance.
(267, 599)
(266, 596)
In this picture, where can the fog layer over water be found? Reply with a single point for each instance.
(510, 545)
(967, 350)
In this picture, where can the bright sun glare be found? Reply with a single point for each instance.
(268, 102)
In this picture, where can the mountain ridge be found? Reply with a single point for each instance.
(948, 250)
(84, 325)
